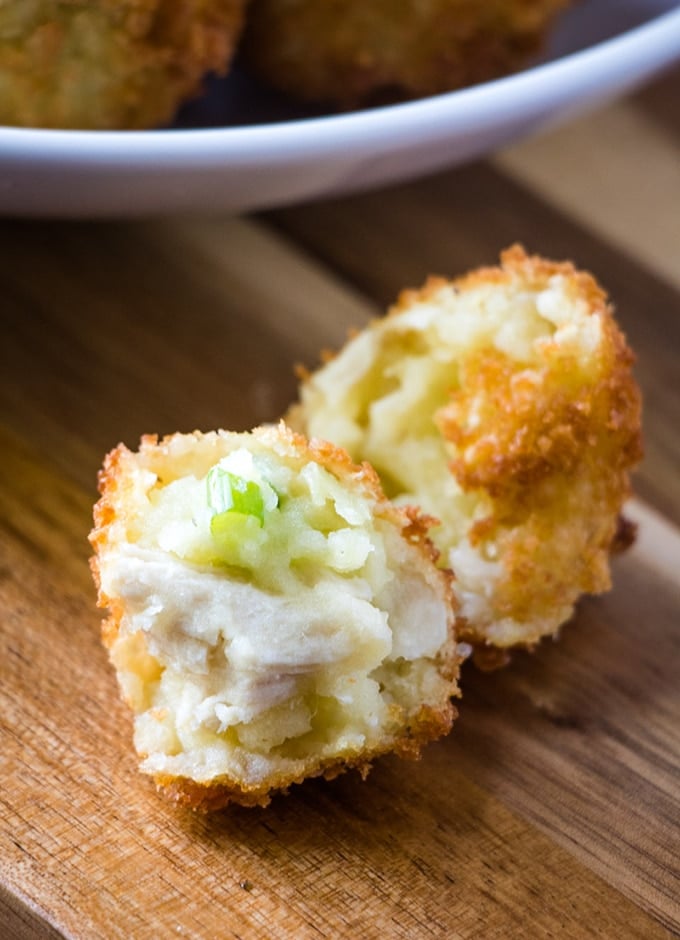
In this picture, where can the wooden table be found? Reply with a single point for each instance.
(552, 809)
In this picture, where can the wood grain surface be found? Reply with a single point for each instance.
(553, 808)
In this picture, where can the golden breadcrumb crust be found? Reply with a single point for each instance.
(352, 52)
(549, 449)
(113, 515)
(555, 459)
(109, 64)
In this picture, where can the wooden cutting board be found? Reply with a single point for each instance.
(551, 810)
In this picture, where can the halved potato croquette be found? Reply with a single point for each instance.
(504, 404)
(272, 616)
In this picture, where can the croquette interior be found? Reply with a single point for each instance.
(303, 629)
(502, 404)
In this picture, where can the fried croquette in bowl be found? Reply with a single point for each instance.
(272, 616)
(350, 52)
(504, 404)
(109, 64)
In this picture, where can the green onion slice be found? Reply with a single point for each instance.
(228, 492)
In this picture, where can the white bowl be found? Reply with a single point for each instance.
(601, 49)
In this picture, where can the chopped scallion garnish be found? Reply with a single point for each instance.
(228, 492)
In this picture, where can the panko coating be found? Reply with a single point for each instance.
(352, 52)
(503, 403)
(109, 64)
(272, 616)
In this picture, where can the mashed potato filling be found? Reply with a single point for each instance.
(269, 615)
(382, 403)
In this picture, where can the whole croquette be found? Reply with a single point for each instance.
(352, 52)
(503, 403)
(272, 616)
(109, 64)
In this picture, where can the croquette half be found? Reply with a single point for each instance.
(272, 616)
(504, 404)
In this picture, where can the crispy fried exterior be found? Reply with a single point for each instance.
(428, 725)
(115, 515)
(540, 449)
(351, 52)
(554, 457)
(109, 64)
